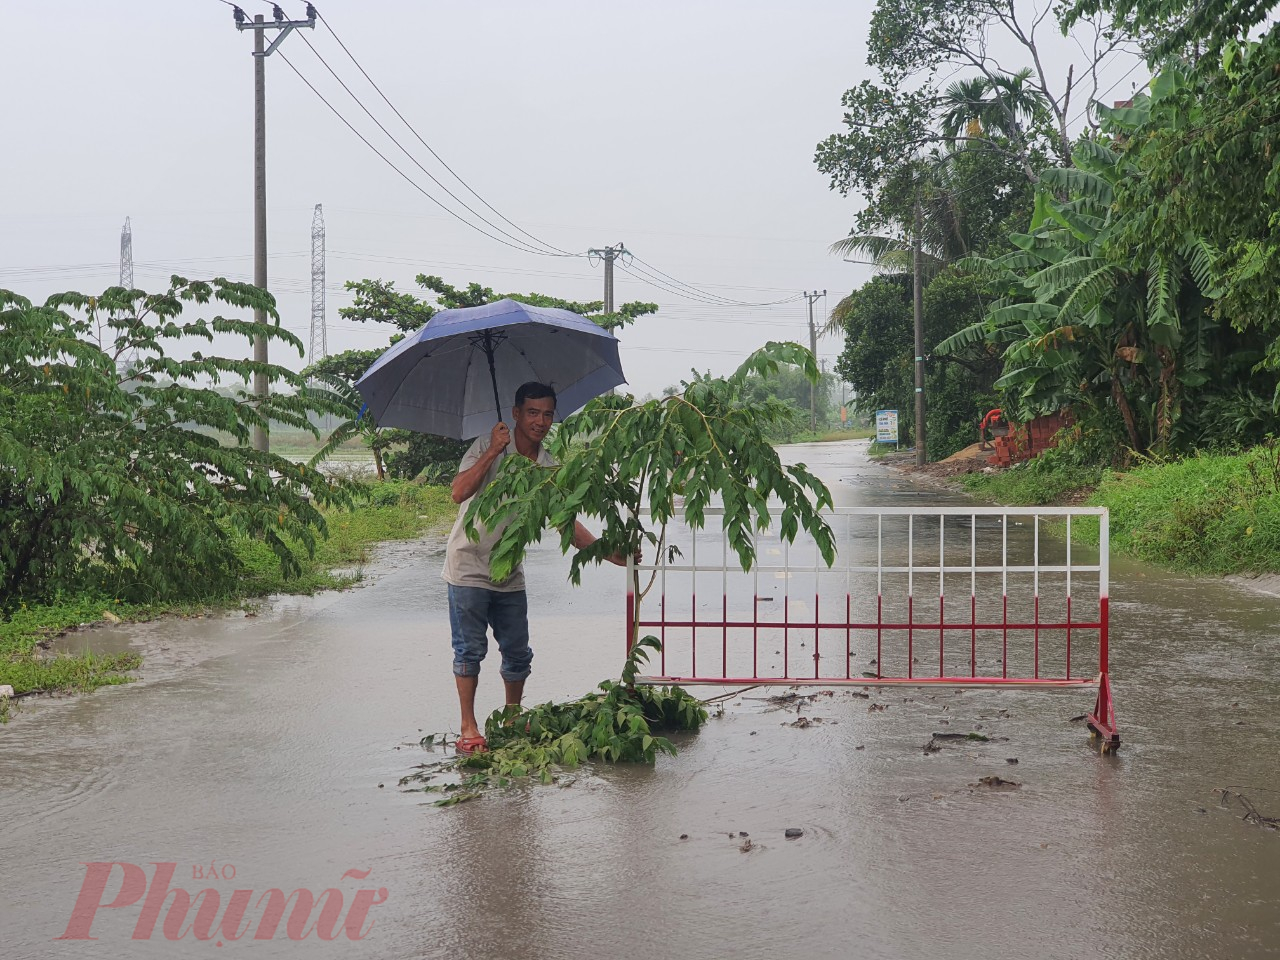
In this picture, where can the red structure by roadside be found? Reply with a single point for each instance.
(1027, 440)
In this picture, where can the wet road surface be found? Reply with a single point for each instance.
(273, 744)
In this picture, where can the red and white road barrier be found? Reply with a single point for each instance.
(918, 596)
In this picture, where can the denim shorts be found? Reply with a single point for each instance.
(472, 611)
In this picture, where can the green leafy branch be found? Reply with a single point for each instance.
(667, 458)
(617, 723)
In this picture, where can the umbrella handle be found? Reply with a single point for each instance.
(493, 374)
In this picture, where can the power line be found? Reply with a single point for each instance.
(665, 287)
(652, 275)
(408, 179)
(433, 153)
(432, 176)
(726, 300)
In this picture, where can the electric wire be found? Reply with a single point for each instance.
(666, 288)
(653, 281)
(644, 272)
(429, 148)
(650, 269)
(412, 159)
(408, 179)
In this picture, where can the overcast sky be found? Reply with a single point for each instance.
(684, 129)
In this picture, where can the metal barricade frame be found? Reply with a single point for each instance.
(888, 569)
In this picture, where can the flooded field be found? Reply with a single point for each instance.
(273, 744)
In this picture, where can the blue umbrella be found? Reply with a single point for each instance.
(453, 376)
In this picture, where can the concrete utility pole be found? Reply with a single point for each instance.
(608, 255)
(813, 348)
(260, 53)
(918, 305)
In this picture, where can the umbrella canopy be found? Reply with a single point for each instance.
(458, 375)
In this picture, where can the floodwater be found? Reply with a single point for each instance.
(272, 745)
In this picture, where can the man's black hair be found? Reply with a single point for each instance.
(533, 390)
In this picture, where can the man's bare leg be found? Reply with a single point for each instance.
(515, 691)
(467, 701)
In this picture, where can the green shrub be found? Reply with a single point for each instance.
(1212, 514)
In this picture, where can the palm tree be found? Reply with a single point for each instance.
(967, 108)
(944, 235)
(998, 105)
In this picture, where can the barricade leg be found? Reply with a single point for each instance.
(1102, 722)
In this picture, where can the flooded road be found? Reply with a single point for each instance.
(273, 745)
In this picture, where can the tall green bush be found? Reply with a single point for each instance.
(112, 473)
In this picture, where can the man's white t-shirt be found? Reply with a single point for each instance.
(466, 564)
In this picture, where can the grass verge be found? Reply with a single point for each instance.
(1210, 514)
(832, 436)
(394, 510)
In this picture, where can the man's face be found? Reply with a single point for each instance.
(534, 418)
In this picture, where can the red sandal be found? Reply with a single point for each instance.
(465, 746)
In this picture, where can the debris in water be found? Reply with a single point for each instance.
(1010, 759)
(1076, 719)
(996, 783)
(742, 833)
(684, 836)
(793, 832)
(803, 723)
(747, 846)
(1227, 796)
(861, 746)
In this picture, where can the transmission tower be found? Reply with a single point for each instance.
(126, 255)
(319, 336)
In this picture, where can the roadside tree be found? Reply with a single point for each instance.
(123, 470)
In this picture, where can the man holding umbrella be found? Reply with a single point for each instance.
(477, 603)
(448, 378)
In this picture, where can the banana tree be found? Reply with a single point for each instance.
(1084, 325)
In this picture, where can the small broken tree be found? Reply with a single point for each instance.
(666, 458)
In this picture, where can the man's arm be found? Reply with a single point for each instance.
(583, 538)
(468, 482)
